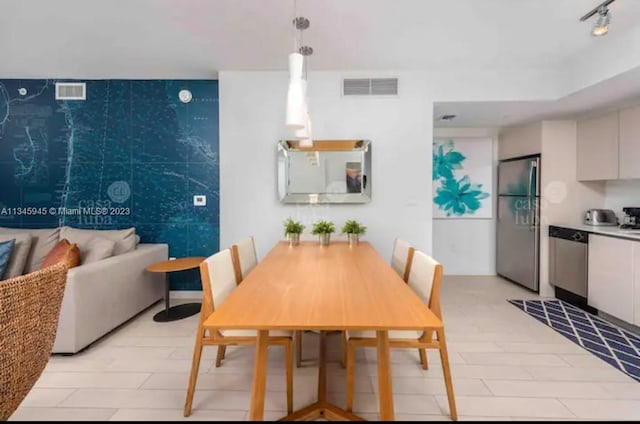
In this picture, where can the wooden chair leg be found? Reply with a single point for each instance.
(345, 347)
(195, 366)
(298, 348)
(423, 359)
(444, 357)
(221, 351)
(289, 364)
(351, 368)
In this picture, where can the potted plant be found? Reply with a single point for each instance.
(353, 230)
(293, 229)
(323, 230)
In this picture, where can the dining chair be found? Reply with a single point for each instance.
(425, 279)
(244, 258)
(218, 281)
(401, 258)
(29, 313)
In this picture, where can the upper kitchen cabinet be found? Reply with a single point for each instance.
(630, 143)
(598, 148)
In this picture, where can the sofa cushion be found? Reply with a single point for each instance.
(5, 254)
(96, 249)
(19, 254)
(125, 239)
(43, 241)
(65, 252)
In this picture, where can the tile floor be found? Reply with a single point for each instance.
(505, 366)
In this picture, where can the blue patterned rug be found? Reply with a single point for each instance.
(608, 342)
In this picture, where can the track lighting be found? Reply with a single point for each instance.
(602, 24)
(601, 27)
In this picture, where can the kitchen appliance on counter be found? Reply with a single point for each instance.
(568, 265)
(518, 230)
(600, 217)
(631, 220)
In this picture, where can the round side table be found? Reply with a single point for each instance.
(178, 311)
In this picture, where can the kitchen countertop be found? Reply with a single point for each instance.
(603, 230)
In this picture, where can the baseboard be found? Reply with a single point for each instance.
(186, 294)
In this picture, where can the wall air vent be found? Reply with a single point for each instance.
(71, 91)
(370, 87)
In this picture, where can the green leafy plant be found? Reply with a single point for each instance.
(292, 227)
(323, 227)
(353, 227)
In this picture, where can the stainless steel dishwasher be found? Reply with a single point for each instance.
(568, 256)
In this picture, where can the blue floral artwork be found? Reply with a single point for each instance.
(456, 192)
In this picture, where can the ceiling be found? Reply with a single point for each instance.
(624, 89)
(197, 38)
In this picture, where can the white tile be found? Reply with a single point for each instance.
(606, 374)
(507, 407)
(101, 351)
(406, 404)
(61, 414)
(79, 364)
(481, 358)
(160, 399)
(46, 397)
(398, 369)
(604, 409)
(176, 415)
(431, 386)
(91, 380)
(584, 360)
(156, 365)
(153, 341)
(623, 390)
(482, 372)
(458, 347)
(547, 389)
(524, 347)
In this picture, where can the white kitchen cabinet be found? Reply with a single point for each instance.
(597, 149)
(611, 276)
(630, 143)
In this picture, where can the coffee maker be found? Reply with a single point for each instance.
(631, 218)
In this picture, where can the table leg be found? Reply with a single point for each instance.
(444, 358)
(256, 413)
(385, 389)
(322, 368)
(166, 294)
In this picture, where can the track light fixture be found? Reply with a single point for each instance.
(601, 27)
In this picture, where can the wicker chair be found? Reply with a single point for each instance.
(29, 311)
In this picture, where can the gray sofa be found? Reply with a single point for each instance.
(103, 294)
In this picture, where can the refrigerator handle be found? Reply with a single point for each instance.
(531, 195)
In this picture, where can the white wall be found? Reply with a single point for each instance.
(619, 194)
(467, 246)
(252, 106)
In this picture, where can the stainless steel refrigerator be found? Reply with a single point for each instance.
(518, 241)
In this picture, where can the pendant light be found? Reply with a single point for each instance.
(297, 115)
(296, 107)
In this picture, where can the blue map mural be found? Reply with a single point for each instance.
(132, 149)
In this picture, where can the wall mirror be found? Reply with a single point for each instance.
(330, 171)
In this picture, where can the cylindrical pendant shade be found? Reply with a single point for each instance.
(296, 96)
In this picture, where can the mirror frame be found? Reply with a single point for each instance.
(285, 147)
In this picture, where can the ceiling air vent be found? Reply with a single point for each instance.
(71, 91)
(370, 87)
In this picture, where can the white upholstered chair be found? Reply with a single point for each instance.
(424, 278)
(244, 258)
(218, 281)
(401, 258)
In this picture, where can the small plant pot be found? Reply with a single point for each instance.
(294, 239)
(354, 239)
(324, 239)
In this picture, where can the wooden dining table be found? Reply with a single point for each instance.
(336, 287)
